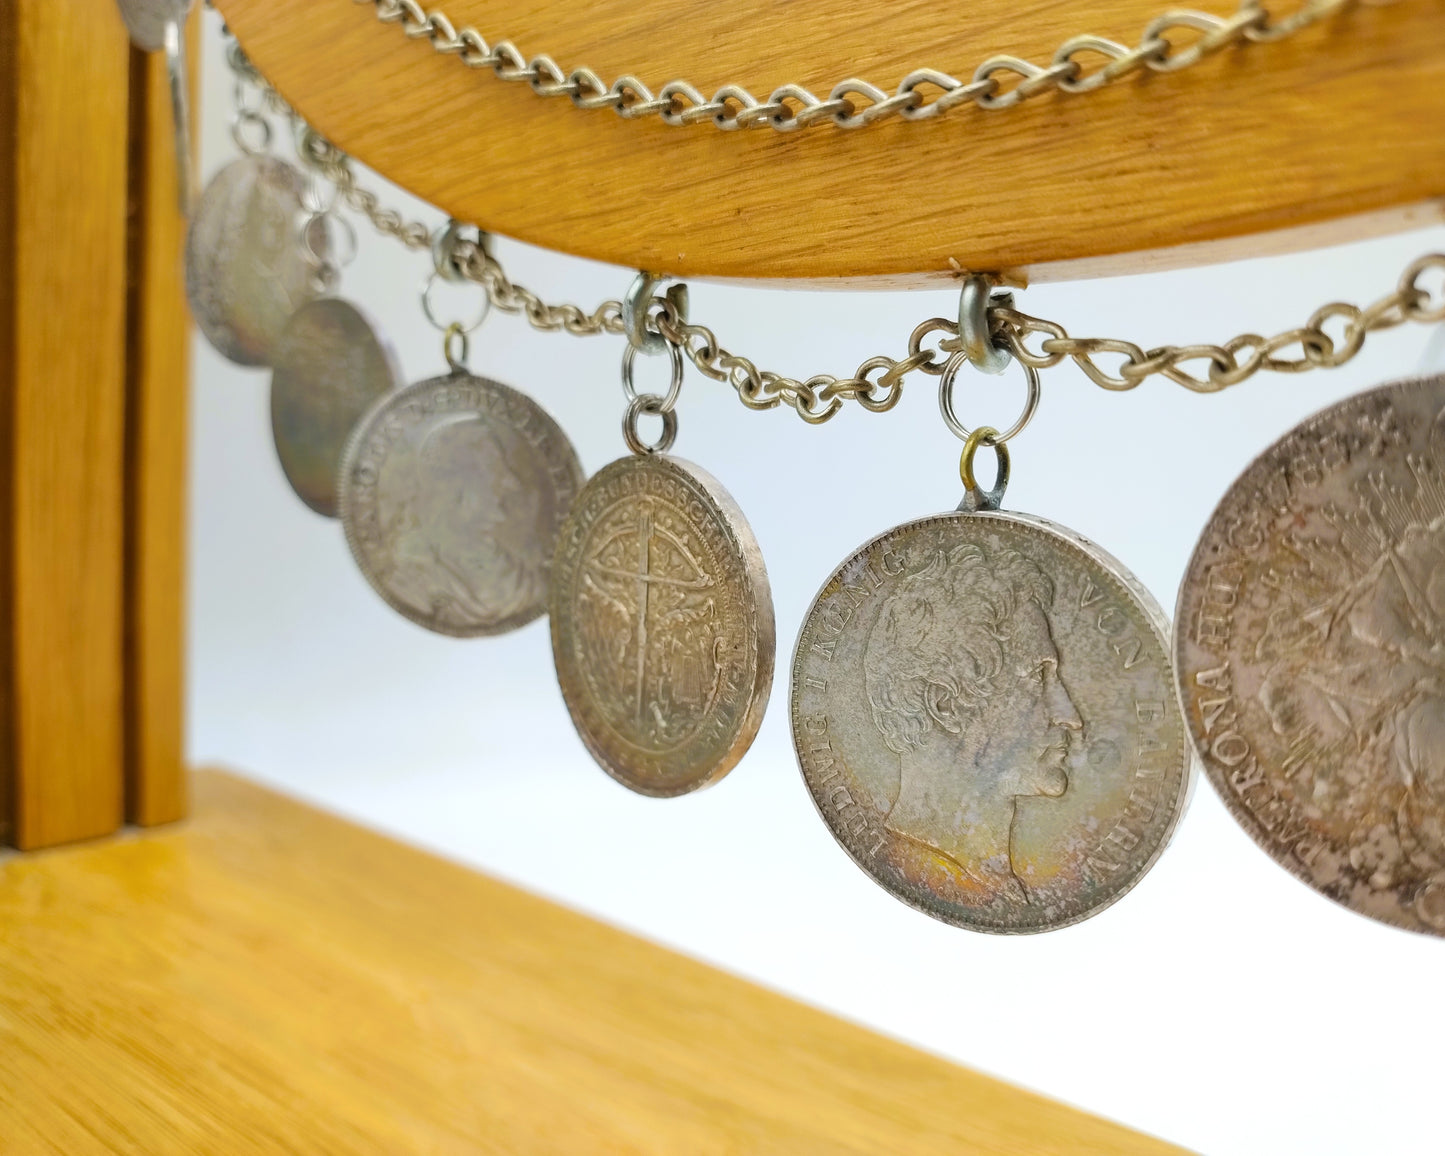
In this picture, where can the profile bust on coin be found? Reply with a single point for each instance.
(976, 712)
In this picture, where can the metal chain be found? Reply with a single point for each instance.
(878, 382)
(999, 82)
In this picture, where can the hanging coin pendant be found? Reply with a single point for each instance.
(983, 710)
(662, 625)
(452, 492)
(246, 271)
(329, 367)
(1310, 649)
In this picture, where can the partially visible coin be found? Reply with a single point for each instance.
(246, 271)
(983, 710)
(1310, 649)
(452, 491)
(329, 366)
(662, 625)
(146, 20)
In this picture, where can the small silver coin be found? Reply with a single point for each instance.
(328, 368)
(662, 625)
(146, 20)
(452, 492)
(1310, 652)
(246, 271)
(983, 711)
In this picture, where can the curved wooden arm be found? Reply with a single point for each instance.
(1340, 128)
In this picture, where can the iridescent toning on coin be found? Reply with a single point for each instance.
(1310, 649)
(246, 271)
(328, 368)
(983, 711)
(662, 625)
(452, 492)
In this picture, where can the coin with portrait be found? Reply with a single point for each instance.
(662, 625)
(246, 270)
(452, 492)
(1310, 649)
(981, 707)
(329, 366)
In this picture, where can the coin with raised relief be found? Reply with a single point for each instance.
(662, 625)
(983, 711)
(452, 492)
(1310, 651)
(330, 365)
(246, 270)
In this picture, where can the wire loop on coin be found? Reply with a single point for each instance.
(426, 307)
(456, 346)
(945, 399)
(674, 385)
(653, 404)
(975, 498)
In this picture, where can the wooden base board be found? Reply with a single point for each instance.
(267, 978)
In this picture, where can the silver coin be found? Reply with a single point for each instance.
(146, 20)
(329, 366)
(452, 491)
(246, 271)
(983, 711)
(1310, 650)
(662, 625)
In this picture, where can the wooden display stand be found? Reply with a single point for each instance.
(265, 978)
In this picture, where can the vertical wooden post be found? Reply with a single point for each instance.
(64, 71)
(156, 437)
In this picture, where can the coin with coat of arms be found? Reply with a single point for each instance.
(662, 625)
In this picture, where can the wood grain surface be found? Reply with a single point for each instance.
(264, 978)
(157, 432)
(1339, 124)
(64, 74)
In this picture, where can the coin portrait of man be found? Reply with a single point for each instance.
(465, 525)
(962, 675)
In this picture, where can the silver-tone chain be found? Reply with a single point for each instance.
(1081, 64)
(878, 382)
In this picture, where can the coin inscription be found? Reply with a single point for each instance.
(662, 625)
(452, 492)
(982, 709)
(1310, 649)
(246, 271)
(328, 368)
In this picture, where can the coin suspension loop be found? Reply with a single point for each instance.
(433, 279)
(328, 242)
(945, 399)
(974, 497)
(975, 338)
(456, 346)
(250, 130)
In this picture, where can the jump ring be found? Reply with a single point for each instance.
(426, 307)
(251, 133)
(945, 399)
(443, 250)
(318, 249)
(649, 403)
(973, 329)
(974, 498)
(635, 305)
(674, 386)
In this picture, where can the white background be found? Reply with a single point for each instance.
(1221, 1005)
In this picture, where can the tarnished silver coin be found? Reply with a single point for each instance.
(662, 625)
(983, 710)
(246, 271)
(452, 492)
(146, 20)
(329, 366)
(1310, 650)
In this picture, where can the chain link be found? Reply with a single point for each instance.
(1173, 41)
(877, 384)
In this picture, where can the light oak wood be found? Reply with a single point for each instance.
(64, 69)
(1338, 124)
(158, 378)
(265, 979)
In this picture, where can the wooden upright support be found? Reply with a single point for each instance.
(91, 334)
